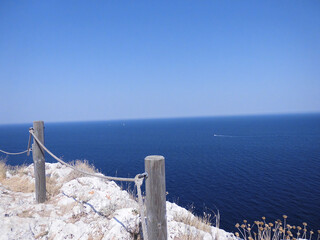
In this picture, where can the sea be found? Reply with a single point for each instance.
(243, 167)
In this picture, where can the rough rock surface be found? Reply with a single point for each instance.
(86, 208)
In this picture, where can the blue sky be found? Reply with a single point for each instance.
(101, 60)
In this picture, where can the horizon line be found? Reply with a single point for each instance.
(168, 118)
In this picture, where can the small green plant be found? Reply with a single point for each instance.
(279, 230)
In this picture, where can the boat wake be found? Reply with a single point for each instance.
(219, 135)
(247, 136)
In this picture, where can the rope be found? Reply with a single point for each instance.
(81, 171)
(10, 153)
(29, 142)
(138, 180)
(18, 153)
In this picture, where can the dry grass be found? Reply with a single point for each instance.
(41, 235)
(26, 214)
(188, 236)
(262, 230)
(19, 170)
(17, 182)
(82, 165)
(52, 186)
(202, 223)
(97, 235)
(76, 217)
(13, 170)
(3, 170)
(64, 209)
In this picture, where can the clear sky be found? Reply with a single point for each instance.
(101, 60)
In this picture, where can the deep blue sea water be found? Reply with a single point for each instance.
(247, 167)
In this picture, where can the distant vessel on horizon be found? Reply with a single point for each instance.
(218, 135)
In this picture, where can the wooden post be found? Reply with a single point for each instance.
(156, 197)
(39, 162)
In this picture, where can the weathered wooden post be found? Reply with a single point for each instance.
(39, 162)
(156, 198)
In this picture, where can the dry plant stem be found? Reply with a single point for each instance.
(241, 233)
(284, 226)
(3, 170)
(270, 231)
(17, 182)
(276, 234)
(304, 235)
(266, 232)
(311, 235)
(249, 231)
(245, 234)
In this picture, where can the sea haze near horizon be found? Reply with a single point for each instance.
(245, 166)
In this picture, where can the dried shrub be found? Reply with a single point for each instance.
(64, 209)
(202, 223)
(52, 186)
(81, 165)
(76, 217)
(3, 170)
(262, 230)
(19, 170)
(41, 235)
(18, 184)
(25, 214)
(188, 236)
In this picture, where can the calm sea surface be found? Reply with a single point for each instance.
(247, 167)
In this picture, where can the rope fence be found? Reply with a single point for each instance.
(154, 225)
(19, 153)
(138, 180)
(151, 226)
(81, 171)
(10, 153)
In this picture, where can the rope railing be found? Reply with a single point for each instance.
(138, 179)
(81, 171)
(19, 153)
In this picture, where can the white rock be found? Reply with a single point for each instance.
(85, 208)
